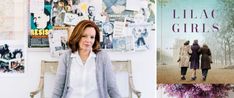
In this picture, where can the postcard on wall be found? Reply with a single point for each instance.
(58, 12)
(140, 33)
(71, 19)
(119, 27)
(107, 35)
(40, 27)
(184, 34)
(58, 41)
(119, 44)
(12, 58)
(93, 10)
(123, 43)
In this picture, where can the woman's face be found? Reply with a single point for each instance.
(87, 39)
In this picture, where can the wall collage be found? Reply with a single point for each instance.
(124, 27)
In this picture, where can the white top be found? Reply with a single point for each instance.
(83, 82)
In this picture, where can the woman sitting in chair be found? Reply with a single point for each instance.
(85, 71)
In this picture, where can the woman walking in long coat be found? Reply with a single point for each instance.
(184, 58)
(205, 61)
(194, 59)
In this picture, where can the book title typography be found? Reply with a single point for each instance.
(194, 21)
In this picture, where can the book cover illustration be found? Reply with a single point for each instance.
(205, 24)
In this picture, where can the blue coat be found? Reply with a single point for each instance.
(106, 81)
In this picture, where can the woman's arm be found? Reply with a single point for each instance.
(60, 78)
(111, 79)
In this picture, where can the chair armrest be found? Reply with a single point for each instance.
(33, 93)
(132, 87)
(39, 89)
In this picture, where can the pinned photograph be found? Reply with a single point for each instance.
(107, 32)
(12, 58)
(58, 41)
(140, 33)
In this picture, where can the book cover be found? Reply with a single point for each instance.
(209, 23)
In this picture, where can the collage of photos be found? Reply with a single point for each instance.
(194, 49)
(112, 17)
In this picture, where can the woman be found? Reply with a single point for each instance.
(205, 61)
(194, 59)
(85, 71)
(184, 59)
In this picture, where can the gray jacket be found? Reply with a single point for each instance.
(106, 81)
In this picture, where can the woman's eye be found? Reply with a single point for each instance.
(92, 37)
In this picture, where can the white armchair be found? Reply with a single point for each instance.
(47, 77)
(122, 69)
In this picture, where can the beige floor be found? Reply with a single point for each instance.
(167, 74)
